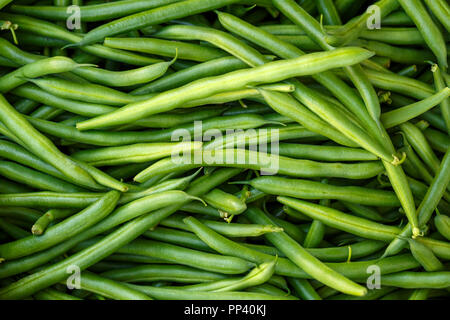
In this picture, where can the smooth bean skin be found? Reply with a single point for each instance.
(62, 231)
(335, 219)
(51, 30)
(440, 248)
(109, 288)
(36, 69)
(35, 179)
(398, 116)
(430, 201)
(177, 294)
(304, 260)
(102, 138)
(441, 10)
(425, 256)
(182, 50)
(413, 280)
(324, 153)
(268, 73)
(430, 32)
(155, 272)
(197, 259)
(151, 17)
(91, 13)
(225, 202)
(136, 153)
(43, 222)
(37, 143)
(306, 189)
(286, 166)
(33, 92)
(442, 223)
(124, 78)
(103, 248)
(202, 70)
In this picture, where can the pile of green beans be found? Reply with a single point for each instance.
(225, 149)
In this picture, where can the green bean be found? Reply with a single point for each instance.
(371, 295)
(35, 93)
(261, 161)
(41, 145)
(16, 153)
(125, 78)
(304, 289)
(109, 244)
(201, 209)
(306, 189)
(354, 27)
(151, 17)
(439, 141)
(35, 70)
(136, 153)
(288, 106)
(35, 179)
(226, 229)
(179, 294)
(365, 212)
(102, 138)
(442, 224)
(4, 3)
(284, 50)
(46, 113)
(177, 237)
(225, 202)
(261, 136)
(189, 257)
(410, 71)
(395, 53)
(257, 276)
(398, 18)
(441, 10)
(420, 144)
(425, 256)
(185, 51)
(12, 230)
(44, 28)
(165, 185)
(109, 288)
(25, 214)
(324, 152)
(445, 104)
(395, 83)
(440, 248)
(42, 223)
(335, 219)
(270, 72)
(430, 32)
(398, 116)
(7, 186)
(304, 260)
(62, 231)
(51, 294)
(432, 197)
(26, 106)
(206, 69)
(329, 12)
(172, 273)
(91, 13)
(413, 280)
(91, 93)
